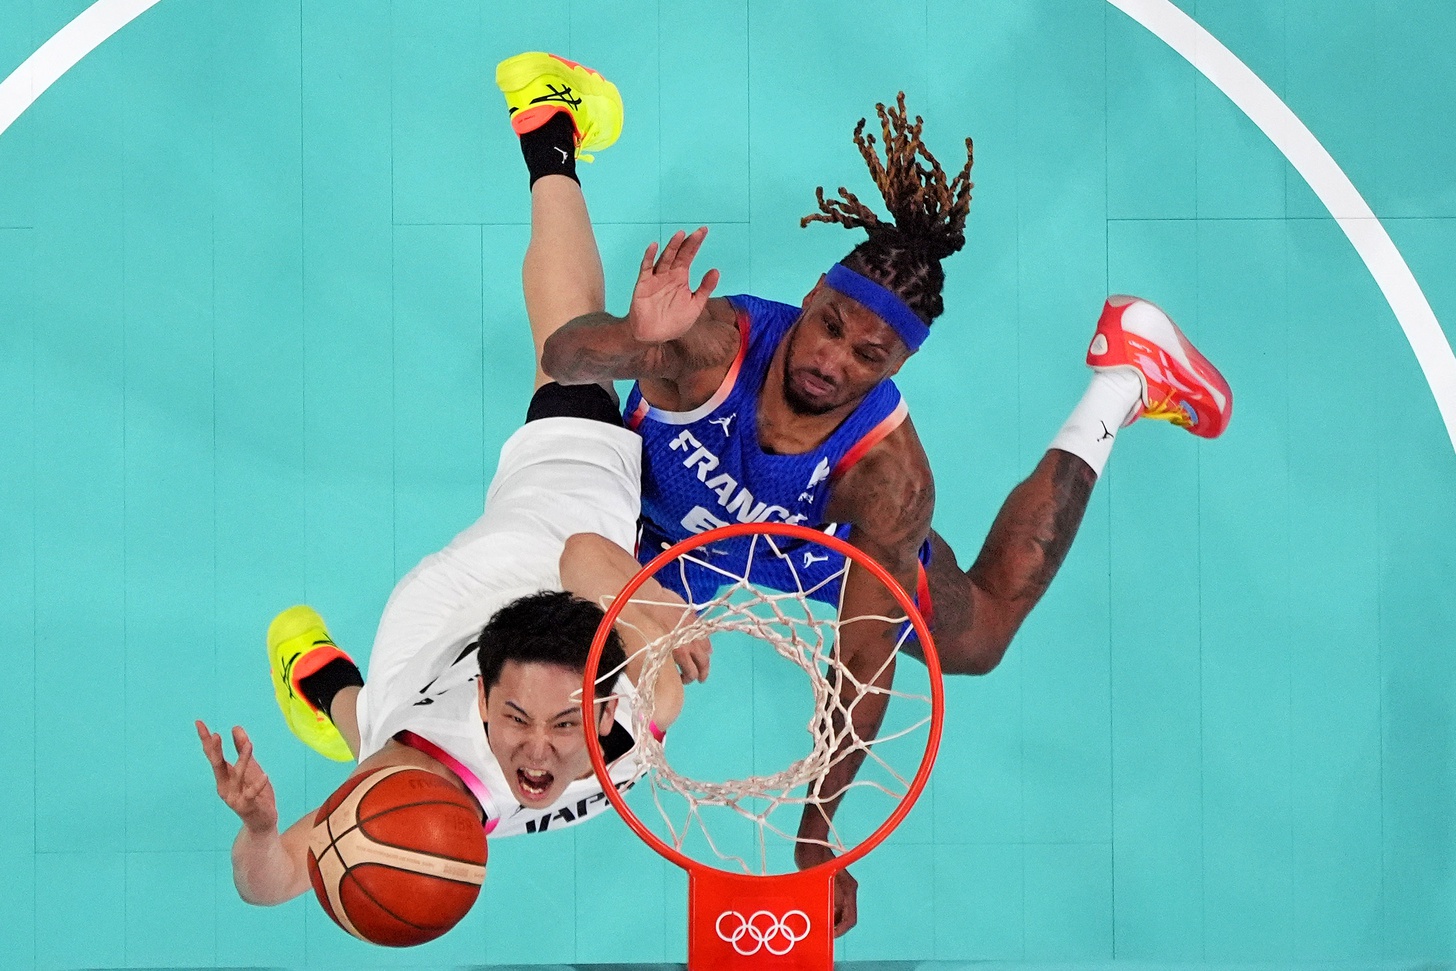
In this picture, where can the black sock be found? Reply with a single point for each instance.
(551, 149)
(321, 686)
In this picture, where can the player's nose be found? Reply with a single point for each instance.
(829, 360)
(537, 743)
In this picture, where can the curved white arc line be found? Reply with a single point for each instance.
(61, 53)
(1310, 159)
(1161, 17)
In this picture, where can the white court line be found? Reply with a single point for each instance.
(61, 53)
(1334, 188)
(1166, 21)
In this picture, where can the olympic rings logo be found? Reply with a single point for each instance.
(763, 931)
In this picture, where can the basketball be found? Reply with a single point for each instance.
(397, 856)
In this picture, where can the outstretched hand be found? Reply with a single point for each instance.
(664, 305)
(244, 786)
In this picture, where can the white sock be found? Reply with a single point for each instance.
(1093, 425)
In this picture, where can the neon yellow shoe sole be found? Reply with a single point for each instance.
(299, 645)
(538, 85)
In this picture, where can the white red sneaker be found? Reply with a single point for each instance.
(1179, 384)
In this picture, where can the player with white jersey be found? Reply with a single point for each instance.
(477, 665)
(758, 410)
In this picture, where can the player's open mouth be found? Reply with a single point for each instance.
(534, 783)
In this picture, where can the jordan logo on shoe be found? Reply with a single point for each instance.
(724, 423)
(1105, 433)
(562, 94)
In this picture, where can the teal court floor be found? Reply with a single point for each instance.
(262, 336)
(977, 966)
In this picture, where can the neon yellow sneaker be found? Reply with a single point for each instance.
(538, 85)
(299, 645)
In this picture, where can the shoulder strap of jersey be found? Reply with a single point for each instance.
(873, 437)
(471, 780)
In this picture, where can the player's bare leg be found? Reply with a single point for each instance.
(562, 273)
(1144, 368)
(561, 111)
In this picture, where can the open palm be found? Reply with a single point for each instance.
(664, 304)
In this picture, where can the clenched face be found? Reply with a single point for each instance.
(535, 729)
(836, 353)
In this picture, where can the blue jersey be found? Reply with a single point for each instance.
(704, 468)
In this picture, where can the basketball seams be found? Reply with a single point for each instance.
(342, 835)
(359, 886)
(333, 882)
(361, 820)
(408, 860)
(410, 805)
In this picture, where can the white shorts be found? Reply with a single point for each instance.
(556, 477)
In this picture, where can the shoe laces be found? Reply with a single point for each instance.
(1166, 410)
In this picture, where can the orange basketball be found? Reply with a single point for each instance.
(397, 856)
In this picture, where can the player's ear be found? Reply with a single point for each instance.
(810, 295)
(480, 696)
(607, 717)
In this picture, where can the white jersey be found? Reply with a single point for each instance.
(556, 477)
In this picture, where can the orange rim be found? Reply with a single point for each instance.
(922, 631)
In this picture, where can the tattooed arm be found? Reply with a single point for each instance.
(674, 339)
(888, 496)
(601, 347)
(977, 612)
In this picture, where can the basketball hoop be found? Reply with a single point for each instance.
(740, 920)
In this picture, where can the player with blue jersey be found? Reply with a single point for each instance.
(706, 464)
(754, 410)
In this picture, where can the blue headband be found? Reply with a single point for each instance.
(882, 302)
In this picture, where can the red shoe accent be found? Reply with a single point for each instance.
(530, 119)
(1180, 385)
(311, 662)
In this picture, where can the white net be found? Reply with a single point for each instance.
(748, 823)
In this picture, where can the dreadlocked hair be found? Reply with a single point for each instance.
(929, 212)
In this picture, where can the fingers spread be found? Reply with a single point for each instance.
(245, 753)
(705, 288)
(669, 253)
(212, 748)
(649, 257)
(690, 247)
